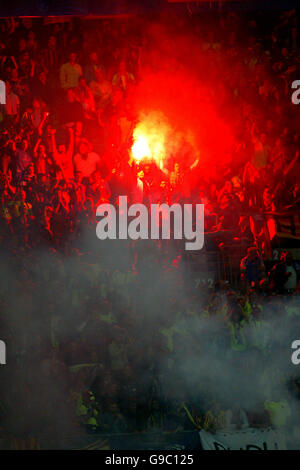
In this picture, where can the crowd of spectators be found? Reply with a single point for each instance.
(64, 149)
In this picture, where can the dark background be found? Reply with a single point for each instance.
(125, 7)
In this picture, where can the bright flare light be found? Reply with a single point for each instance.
(149, 137)
(140, 148)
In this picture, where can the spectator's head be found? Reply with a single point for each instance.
(48, 129)
(78, 177)
(25, 57)
(122, 67)
(52, 41)
(252, 253)
(96, 177)
(82, 82)
(41, 150)
(263, 138)
(224, 202)
(118, 333)
(267, 197)
(22, 44)
(22, 195)
(59, 175)
(14, 74)
(31, 35)
(78, 128)
(36, 104)
(99, 75)
(48, 211)
(8, 87)
(61, 148)
(294, 33)
(94, 57)
(84, 146)
(72, 58)
(228, 186)
(42, 179)
(264, 285)
(43, 77)
(30, 170)
(113, 408)
(24, 145)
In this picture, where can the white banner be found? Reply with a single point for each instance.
(246, 439)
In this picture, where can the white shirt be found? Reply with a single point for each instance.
(86, 166)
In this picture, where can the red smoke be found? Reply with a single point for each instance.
(177, 112)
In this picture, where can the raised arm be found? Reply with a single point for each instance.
(291, 164)
(71, 143)
(36, 146)
(14, 62)
(32, 68)
(54, 149)
(40, 128)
